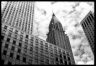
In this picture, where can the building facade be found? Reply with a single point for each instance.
(19, 46)
(30, 50)
(19, 15)
(58, 37)
(88, 26)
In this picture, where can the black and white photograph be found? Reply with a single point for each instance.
(47, 32)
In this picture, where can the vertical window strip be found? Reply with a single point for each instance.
(26, 17)
(8, 12)
(89, 31)
(20, 12)
(32, 17)
(11, 18)
(6, 9)
(15, 14)
(86, 33)
(22, 16)
(90, 22)
(24, 21)
(18, 15)
(20, 19)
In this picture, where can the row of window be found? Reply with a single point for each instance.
(14, 12)
(46, 49)
(42, 58)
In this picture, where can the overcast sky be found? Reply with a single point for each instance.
(70, 15)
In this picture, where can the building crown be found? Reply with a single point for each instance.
(55, 24)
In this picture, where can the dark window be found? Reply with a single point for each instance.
(61, 61)
(13, 48)
(11, 55)
(8, 39)
(6, 45)
(65, 62)
(26, 36)
(9, 63)
(26, 41)
(31, 48)
(2, 37)
(19, 50)
(14, 42)
(18, 57)
(16, 31)
(4, 52)
(20, 44)
(60, 55)
(64, 57)
(2, 62)
(56, 59)
(5, 27)
(24, 59)
(68, 58)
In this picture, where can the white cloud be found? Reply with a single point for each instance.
(70, 15)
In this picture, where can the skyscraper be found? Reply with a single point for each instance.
(19, 46)
(58, 37)
(19, 15)
(88, 27)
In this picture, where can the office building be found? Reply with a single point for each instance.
(19, 46)
(88, 26)
(58, 37)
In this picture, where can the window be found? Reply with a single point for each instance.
(11, 29)
(11, 55)
(20, 44)
(14, 42)
(26, 36)
(47, 61)
(69, 59)
(31, 48)
(13, 48)
(36, 40)
(9, 63)
(2, 37)
(5, 27)
(56, 59)
(24, 59)
(60, 55)
(18, 57)
(30, 60)
(21, 37)
(26, 41)
(8, 39)
(2, 62)
(25, 46)
(61, 61)
(19, 50)
(6, 46)
(65, 62)
(15, 36)
(9, 34)
(4, 52)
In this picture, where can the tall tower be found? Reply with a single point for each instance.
(57, 36)
(19, 15)
(17, 24)
(88, 27)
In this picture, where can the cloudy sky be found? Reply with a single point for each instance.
(70, 15)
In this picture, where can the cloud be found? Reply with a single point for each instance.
(70, 15)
